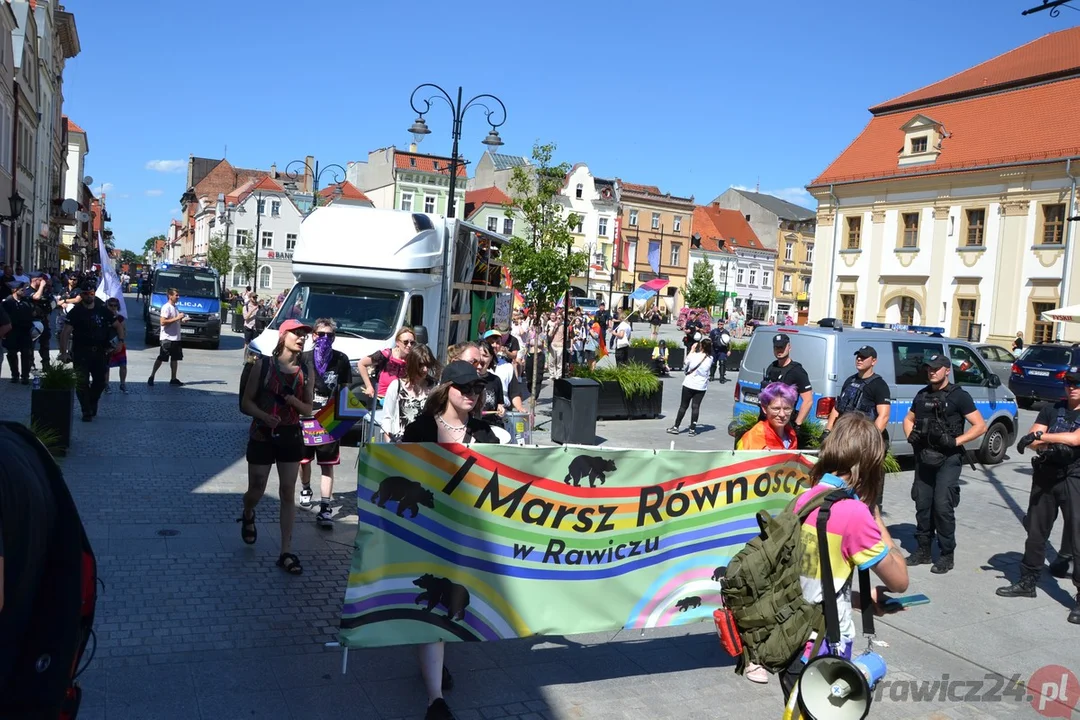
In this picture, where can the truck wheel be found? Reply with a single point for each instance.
(216, 344)
(995, 444)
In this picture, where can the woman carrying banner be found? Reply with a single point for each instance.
(775, 431)
(275, 406)
(405, 396)
(448, 418)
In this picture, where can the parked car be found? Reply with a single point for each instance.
(999, 360)
(1039, 372)
(827, 352)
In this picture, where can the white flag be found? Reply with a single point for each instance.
(109, 285)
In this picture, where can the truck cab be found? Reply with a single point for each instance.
(200, 300)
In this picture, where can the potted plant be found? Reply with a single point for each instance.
(736, 350)
(52, 404)
(641, 350)
(627, 391)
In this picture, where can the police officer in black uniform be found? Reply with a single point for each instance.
(43, 304)
(19, 343)
(89, 327)
(935, 428)
(787, 371)
(1055, 482)
(865, 392)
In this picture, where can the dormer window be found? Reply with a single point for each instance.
(923, 141)
(918, 145)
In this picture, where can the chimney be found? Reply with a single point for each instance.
(309, 167)
(273, 171)
(412, 147)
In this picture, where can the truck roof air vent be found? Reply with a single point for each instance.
(422, 222)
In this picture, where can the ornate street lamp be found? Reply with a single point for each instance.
(16, 204)
(316, 173)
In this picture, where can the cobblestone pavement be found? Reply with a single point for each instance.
(192, 623)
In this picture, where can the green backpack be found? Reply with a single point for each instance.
(764, 594)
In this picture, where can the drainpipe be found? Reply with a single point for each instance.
(1070, 218)
(834, 250)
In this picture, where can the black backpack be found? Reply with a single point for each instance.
(245, 373)
(42, 680)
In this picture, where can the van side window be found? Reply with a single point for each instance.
(908, 358)
(967, 370)
(416, 310)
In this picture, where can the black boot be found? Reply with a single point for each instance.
(943, 565)
(1074, 614)
(1060, 567)
(1024, 587)
(921, 556)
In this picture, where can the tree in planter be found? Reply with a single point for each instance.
(219, 257)
(247, 263)
(541, 260)
(700, 292)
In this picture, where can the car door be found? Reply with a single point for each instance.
(908, 377)
(999, 360)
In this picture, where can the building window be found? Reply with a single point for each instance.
(854, 233)
(579, 225)
(633, 218)
(261, 207)
(786, 287)
(290, 242)
(508, 226)
(435, 164)
(239, 279)
(766, 276)
(676, 224)
(753, 277)
(976, 227)
(847, 309)
(429, 203)
(789, 251)
(739, 276)
(918, 145)
(406, 201)
(241, 239)
(965, 317)
(266, 277)
(806, 285)
(907, 310)
(810, 253)
(267, 239)
(676, 252)
(910, 238)
(601, 227)
(493, 224)
(1042, 331)
(1053, 224)
(656, 221)
(275, 208)
(579, 190)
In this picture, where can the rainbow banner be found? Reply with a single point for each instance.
(486, 542)
(334, 419)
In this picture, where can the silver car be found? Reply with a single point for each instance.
(999, 360)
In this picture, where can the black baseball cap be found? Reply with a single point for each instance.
(1072, 376)
(780, 340)
(460, 372)
(936, 361)
(866, 351)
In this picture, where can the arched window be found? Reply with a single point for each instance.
(266, 277)
(239, 279)
(907, 310)
(579, 190)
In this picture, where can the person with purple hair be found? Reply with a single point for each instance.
(775, 431)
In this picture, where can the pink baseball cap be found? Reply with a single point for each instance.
(292, 324)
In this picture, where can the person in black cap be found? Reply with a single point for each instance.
(865, 392)
(935, 428)
(1055, 482)
(19, 342)
(789, 372)
(88, 329)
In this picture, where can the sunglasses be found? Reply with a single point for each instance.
(469, 389)
(324, 333)
(863, 357)
(407, 342)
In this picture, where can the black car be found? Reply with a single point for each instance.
(1039, 372)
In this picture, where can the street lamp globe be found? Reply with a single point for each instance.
(419, 129)
(493, 141)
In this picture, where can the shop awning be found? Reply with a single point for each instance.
(1066, 314)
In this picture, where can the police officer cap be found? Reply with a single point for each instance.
(1072, 375)
(936, 361)
(780, 340)
(867, 351)
(88, 286)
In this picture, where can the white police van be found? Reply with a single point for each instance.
(827, 352)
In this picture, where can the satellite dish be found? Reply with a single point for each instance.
(69, 206)
(83, 217)
(88, 181)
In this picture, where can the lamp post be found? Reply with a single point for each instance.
(419, 129)
(589, 248)
(316, 174)
(16, 204)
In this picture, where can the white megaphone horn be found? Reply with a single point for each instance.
(832, 688)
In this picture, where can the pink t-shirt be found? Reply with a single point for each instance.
(855, 543)
(393, 370)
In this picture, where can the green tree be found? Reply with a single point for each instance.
(247, 263)
(219, 257)
(148, 246)
(541, 259)
(127, 256)
(701, 291)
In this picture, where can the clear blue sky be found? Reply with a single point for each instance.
(690, 95)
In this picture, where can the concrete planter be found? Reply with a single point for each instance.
(613, 404)
(54, 410)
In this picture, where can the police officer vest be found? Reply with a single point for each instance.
(1060, 460)
(853, 399)
(937, 410)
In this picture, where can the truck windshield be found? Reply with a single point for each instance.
(367, 312)
(188, 284)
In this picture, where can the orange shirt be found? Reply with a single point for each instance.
(763, 437)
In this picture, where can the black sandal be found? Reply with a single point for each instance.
(248, 532)
(290, 564)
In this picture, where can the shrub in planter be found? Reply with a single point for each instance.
(626, 391)
(52, 405)
(640, 342)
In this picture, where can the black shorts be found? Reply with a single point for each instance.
(285, 444)
(249, 334)
(329, 454)
(170, 350)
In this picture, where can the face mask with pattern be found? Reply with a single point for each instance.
(324, 346)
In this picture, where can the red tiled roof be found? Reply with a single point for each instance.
(72, 127)
(489, 195)
(646, 189)
(426, 163)
(1049, 56)
(1028, 124)
(714, 223)
(269, 184)
(348, 192)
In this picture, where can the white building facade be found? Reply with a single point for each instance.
(263, 218)
(595, 201)
(412, 181)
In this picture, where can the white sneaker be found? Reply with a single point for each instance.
(305, 496)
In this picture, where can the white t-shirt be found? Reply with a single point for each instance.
(172, 330)
(699, 378)
(624, 341)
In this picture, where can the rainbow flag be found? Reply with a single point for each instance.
(334, 419)
(602, 350)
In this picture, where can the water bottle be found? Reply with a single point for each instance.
(35, 384)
